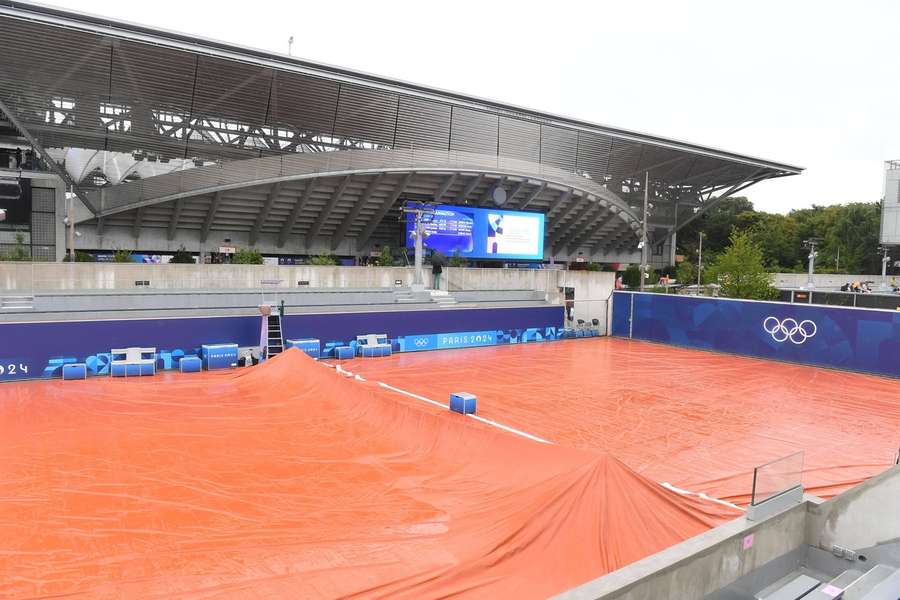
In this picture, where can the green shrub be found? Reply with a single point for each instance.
(122, 256)
(80, 256)
(324, 259)
(247, 256)
(19, 252)
(182, 257)
(457, 260)
(385, 259)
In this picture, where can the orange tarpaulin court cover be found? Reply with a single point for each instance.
(290, 480)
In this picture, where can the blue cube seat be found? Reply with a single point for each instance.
(375, 351)
(309, 346)
(343, 352)
(74, 371)
(190, 364)
(463, 403)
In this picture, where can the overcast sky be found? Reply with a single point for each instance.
(814, 84)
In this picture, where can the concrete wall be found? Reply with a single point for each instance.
(592, 289)
(864, 516)
(703, 564)
(820, 280)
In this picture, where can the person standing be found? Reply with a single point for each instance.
(436, 271)
(437, 261)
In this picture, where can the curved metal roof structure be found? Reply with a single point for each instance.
(304, 156)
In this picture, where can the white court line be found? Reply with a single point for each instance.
(476, 417)
(672, 488)
(535, 438)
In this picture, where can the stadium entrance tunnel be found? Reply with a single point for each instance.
(346, 202)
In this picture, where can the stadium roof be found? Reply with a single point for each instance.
(81, 81)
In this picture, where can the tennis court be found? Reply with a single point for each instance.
(293, 479)
(700, 421)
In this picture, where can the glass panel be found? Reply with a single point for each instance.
(777, 476)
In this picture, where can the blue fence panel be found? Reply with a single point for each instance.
(844, 338)
(34, 350)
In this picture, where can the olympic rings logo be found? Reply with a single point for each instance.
(789, 329)
(421, 342)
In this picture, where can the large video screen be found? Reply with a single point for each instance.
(481, 233)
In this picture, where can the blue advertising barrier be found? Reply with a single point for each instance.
(843, 338)
(40, 349)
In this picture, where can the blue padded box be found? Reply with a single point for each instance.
(581, 333)
(343, 352)
(117, 370)
(375, 351)
(74, 371)
(462, 402)
(567, 333)
(219, 356)
(309, 346)
(190, 364)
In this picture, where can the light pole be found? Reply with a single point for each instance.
(290, 43)
(699, 263)
(69, 222)
(811, 244)
(643, 244)
(885, 259)
(419, 212)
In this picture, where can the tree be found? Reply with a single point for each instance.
(854, 228)
(324, 259)
(247, 256)
(182, 257)
(80, 256)
(686, 273)
(716, 225)
(776, 235)
(632, 277)
(385, 259)
(122, 256)
(19, 251)
(457, 260)
(740, 270)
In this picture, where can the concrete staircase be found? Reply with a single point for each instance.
(16, 303)
(407, 296)
(881, 582)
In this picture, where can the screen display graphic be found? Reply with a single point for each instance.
(481, 233)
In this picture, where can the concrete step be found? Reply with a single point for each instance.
(16, 302)
(798, 586)
(888, 589)
(834, 588)
(860, 588)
